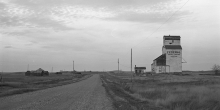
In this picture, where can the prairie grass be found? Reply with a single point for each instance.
(18, 83)
(173, 92)
(189, 95)
(196, 98)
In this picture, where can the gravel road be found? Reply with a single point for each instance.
(84, 95)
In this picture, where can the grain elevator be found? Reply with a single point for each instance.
(171, 59)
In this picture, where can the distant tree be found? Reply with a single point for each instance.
(216, 69)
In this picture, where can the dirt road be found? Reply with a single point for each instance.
(84, 95)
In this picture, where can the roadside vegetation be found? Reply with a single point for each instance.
(190, 91)
(18, 83)
(216, 69)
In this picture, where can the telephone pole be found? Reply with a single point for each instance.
(131, 59)
(73, 66)
(131, 69)
(118, 65)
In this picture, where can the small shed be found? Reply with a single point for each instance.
(139, 70)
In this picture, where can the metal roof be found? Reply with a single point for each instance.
(140, 68)
(39, 69)
(173, 47)
(161, 60)
(171, 37)
(163, 56)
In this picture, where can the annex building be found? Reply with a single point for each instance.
(171, 59)
(139, 70)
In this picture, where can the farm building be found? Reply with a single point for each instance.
(38, 72)
(171, 59)
(139, 70)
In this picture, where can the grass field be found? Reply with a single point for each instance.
(190, 91)
(17, 83)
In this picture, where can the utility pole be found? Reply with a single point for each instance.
(131, 69)
(131, 72)
(118, 65)
(73, 66)
(131, 60)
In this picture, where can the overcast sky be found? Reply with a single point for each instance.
(95, 33)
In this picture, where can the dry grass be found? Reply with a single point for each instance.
(196, 98)
(17, 83)
(175, 92)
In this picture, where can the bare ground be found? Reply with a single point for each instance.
(84, 95)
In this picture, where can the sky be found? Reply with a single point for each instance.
(51, 34)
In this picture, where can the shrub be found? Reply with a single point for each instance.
(216, 69)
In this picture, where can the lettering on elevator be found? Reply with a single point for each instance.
(173, 52)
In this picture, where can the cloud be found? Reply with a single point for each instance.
(8, 46)
(2, 6)
(82, 11)
(71, 16)
(63, 15)
(155, 13)
(150, 17)
(96, 3)
(63, 47)
(14, 15)
(46, 26)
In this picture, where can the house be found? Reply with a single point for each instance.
(171, 59)
(139, 70)
(38, 72)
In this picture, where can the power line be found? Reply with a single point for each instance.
(163, 23)
(139, 42)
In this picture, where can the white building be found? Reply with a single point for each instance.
(139, 70)
(171, 59)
